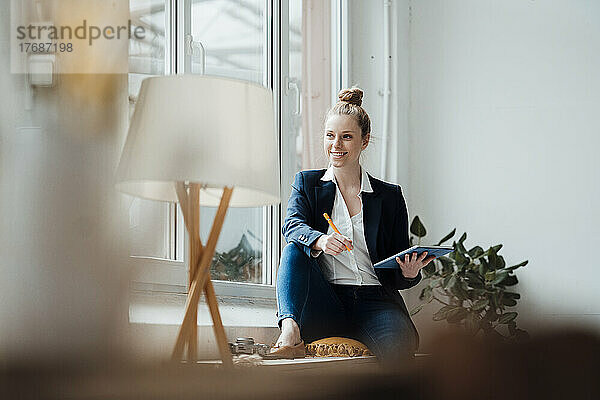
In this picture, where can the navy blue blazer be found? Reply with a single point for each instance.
(385, 220)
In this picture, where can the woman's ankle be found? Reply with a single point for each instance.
(290, 332)
(289, 324)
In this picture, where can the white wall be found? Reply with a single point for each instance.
(503, 131)
(504, 136)
(366, 70)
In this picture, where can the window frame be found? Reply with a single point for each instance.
(156, 274)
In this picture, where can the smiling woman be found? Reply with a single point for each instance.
(345, 136)
(326, 283)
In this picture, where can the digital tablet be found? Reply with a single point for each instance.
(436, 251)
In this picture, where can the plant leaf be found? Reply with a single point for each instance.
(430, 268)
(426, 293)
(460, 259)
(510, 280)
(447, 237)
(480, 304)
(499, 277)
(456, 315)
(475, 252)
(494, 300)
(507, 317)
(492, 258)
(445, 260)
(497, 299)
(509, 302)
(442, 313)
(483, 267)
(519, 265)
(417, 228)
(490, 315)
(474, 280)
(447, 265)
(460, 248)
(458, 289)
(449, 282)
(417, 309)
(445, 281)
(435, 282)
(500, 263)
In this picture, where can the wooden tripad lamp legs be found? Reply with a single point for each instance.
(199, 274)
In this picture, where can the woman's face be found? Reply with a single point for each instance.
(342, 140)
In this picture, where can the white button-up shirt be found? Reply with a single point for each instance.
(349, 267)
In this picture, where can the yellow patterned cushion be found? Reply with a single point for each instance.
(337, 347)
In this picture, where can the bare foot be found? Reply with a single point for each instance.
(290, 333)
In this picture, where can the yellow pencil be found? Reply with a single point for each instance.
(334, 227)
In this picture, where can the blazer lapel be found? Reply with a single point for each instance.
(325, 195)
(371, 218)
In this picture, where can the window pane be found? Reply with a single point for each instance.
(151, 223)
(238, 256)
(292, 140)
(146, 56)
(294, 110)
(232, 33)
(148, 226)
(233, 36)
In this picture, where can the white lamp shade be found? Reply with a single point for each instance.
(202, 129)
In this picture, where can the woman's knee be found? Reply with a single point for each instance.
(292, 250)
(293, 256)
(294, 269)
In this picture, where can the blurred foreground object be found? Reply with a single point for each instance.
(191, 140)
(560, 365)
(63, 274)
(552, 365)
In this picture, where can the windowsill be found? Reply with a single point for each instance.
(158, 293)
(156, 313)
(165, 305)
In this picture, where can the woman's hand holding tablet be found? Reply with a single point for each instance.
(412, 264)
(411, 260)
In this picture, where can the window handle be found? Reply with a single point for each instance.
(294, 84)
(194, 49)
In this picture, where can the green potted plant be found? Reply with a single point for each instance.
(472, 286)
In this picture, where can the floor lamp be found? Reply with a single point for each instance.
(201, 140)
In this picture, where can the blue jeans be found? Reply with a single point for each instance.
(321, 309)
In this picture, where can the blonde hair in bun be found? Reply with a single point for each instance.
(353, 96)
(349, 103)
